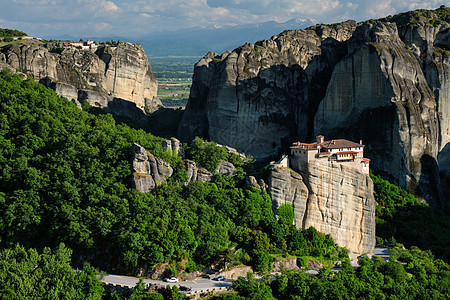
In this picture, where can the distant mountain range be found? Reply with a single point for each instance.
(198, 41)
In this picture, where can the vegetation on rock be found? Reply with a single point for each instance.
(11, 33)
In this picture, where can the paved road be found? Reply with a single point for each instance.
(205, 284)
(382, 252)
(196, 285)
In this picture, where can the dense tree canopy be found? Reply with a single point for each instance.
(409, 274)
(26, 274)
(11, 33)
(65, 177)
(402, 218)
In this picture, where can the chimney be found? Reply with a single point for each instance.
(320, 139)
(360, 142)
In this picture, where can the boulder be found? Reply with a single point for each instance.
(173, 145)
(149, 171)
(251, 181)
(225, 168)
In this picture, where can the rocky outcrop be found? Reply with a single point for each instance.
(118, 79)
(256, 98)
(196, 174)
(235, 152)
(334, 198)
(379, 92)
(225, 168)
(386, 82)
(288, 264)
(149, 171)
(174, 146)
(251, 181)
(287, 187)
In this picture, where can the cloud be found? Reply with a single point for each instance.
(138, 17)
(109, 6)
(102, 26)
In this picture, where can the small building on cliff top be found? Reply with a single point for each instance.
(329, 187)
(340, 151)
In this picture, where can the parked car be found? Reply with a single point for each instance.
(185, 288)
(220, 278)
(172, 279)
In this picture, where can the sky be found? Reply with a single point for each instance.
(134, 18)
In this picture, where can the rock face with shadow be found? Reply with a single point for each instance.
(259, 96)
(385, 82)
(118, 79)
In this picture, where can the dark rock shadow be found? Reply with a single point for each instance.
(444, 171)
(164, 122)
(444, 160)
(123, 107)
(429, 187)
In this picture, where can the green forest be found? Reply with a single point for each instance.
(409, 274)
(11, 33)
(66, 202)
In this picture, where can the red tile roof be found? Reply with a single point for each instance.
(340, 143)
(333, 144)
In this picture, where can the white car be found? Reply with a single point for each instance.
(172, 279)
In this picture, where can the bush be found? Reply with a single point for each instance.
(207, 154)
(286, 214)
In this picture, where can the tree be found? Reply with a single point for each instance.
(26, 274)
(206, 154)
(286, 214)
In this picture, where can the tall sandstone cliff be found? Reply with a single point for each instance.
(334, 198)
(118, 79)
(386, 82)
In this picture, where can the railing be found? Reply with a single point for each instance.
(197, 293)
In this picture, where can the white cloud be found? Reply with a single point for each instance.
(102, 26)
(109, 6)
(134, 17)
(313, 7)
(37, 2)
